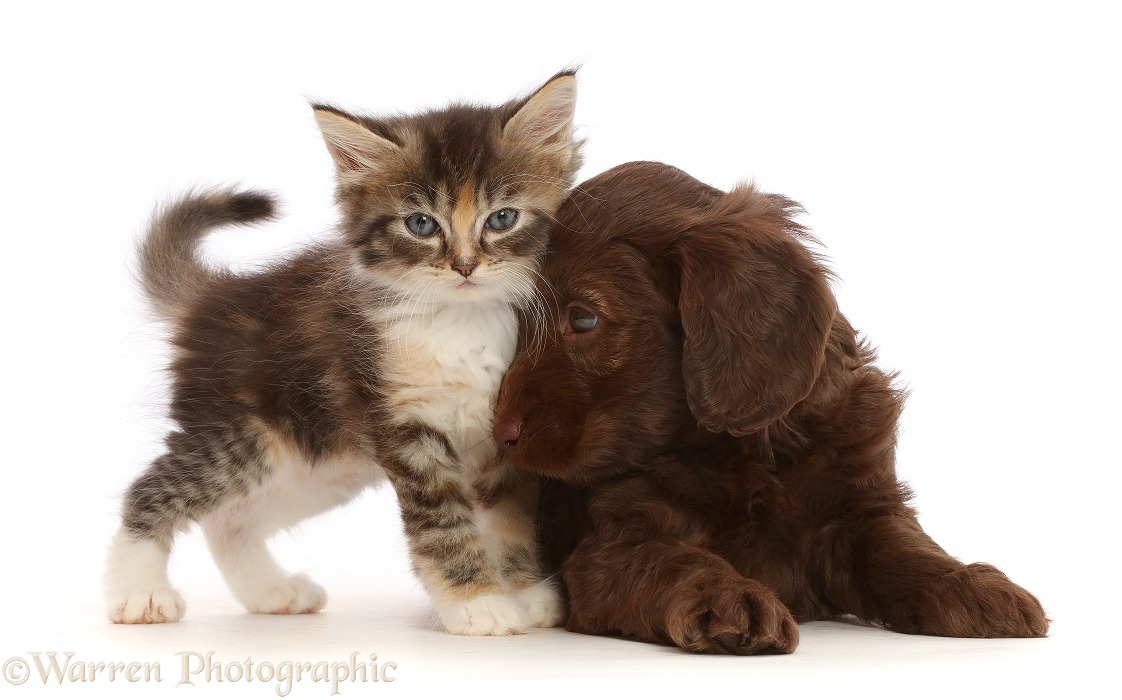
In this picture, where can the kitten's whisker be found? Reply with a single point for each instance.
(535, 308)
(416, 314)
(426, 193)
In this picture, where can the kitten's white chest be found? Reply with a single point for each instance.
(445, 368)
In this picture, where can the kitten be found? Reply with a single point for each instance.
(375, 357)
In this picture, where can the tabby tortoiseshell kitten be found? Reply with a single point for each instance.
(375, 357)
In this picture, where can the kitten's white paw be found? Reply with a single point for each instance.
(137, 590)
(544, 604)
(151, 605)
(295, 595)
(486, 615)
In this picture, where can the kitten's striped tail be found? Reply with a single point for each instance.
(170, 269)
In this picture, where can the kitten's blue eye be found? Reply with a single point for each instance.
(421, 225)
(502, 219)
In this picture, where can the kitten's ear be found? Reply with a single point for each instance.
(546, 117)
(352, 145)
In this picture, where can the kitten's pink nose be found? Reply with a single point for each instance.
(465, 265)
(507, 430)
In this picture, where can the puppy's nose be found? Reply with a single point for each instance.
(507, 430)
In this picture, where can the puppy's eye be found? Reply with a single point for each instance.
(582, 320)
(421, 225)
(502, 219)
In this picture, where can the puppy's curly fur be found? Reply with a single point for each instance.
(720, 444)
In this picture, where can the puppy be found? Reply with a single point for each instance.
(721, 445)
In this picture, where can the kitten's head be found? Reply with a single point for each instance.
(456, 204)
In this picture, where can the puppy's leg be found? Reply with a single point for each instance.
(665, 593)
(886, 569)
(645, 574)
(508, 521)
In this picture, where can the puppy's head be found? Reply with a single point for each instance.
(669, 306)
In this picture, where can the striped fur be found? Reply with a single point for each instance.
(372, 358)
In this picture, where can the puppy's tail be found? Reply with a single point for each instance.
(170, 269)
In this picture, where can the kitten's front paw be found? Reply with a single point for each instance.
(543, 603)
(486, 615)
(156, 604)
(295, 595)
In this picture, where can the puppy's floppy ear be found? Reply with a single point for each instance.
(756, 311)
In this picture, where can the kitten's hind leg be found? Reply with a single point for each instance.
(136, 581)
(137, 589)
(199, 472)
(238, 530)
(254, 576)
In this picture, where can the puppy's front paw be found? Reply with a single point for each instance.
(153, 604)
(975, 601)
(295, 595)
(543, 603)
(738, 616)
(485, 615)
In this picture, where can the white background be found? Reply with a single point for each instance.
(960, 164)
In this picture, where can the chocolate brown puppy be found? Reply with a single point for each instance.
(719, 444)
